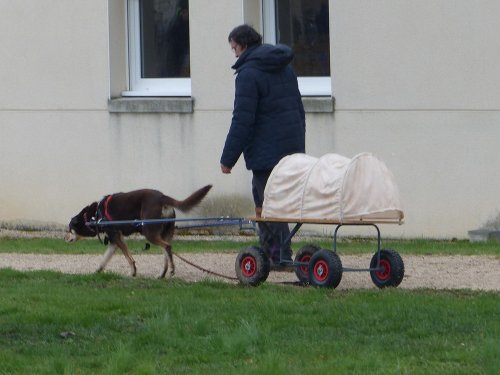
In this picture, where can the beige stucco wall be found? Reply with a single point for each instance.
(53, 109)
(416, 84)
(54, 55)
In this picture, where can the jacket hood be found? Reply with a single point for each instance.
(265, 57)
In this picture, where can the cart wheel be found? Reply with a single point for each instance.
(325, 269)
(252, 266)
(304, 256)
(393, 269)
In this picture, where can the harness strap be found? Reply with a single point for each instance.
(86, 220)
(102, 213)
(106, 213)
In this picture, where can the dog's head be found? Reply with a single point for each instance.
(77, 226)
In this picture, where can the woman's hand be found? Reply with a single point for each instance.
(224, 169)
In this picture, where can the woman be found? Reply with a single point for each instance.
(268, 121)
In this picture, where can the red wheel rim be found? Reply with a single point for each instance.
(248, 266)
(386, 272)
(321, 270)
(305, 259)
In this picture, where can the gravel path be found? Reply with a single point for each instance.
(439, 272)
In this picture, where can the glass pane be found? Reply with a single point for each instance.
(164, 38)
(304, 26)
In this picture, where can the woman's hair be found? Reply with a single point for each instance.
(245, 36)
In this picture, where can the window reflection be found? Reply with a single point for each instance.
(304, 26)
(164, 38)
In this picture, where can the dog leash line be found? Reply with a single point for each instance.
(204, 269)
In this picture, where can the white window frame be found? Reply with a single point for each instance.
(308, 86)
(139, 86)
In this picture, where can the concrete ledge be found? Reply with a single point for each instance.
(483, 235)
(318, 104)
(151, 105)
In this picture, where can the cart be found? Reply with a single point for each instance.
(316, 266)
(312, 264)
(331, 190)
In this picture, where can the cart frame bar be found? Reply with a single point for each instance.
(338, 224)
(202, 222)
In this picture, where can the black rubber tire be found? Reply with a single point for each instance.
(393, 269)
(304, 255)
(325, 269)
(252, 266)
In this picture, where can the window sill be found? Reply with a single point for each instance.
(151, 105)
(312, 104)
(318, 104)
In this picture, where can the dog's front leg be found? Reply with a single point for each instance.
(107, 256)
(120, 242)
(117, 238)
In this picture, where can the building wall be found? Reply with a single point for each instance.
(53, 116)
(417, 84)
(414, 82)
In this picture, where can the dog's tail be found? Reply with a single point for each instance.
(193, 199)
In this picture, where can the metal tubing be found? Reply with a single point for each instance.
(347, 269)
(377, 268)
(357, 224)
(289, 238)
(215, 221)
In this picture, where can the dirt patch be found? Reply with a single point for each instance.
(438, 272)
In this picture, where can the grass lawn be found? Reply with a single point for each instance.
(53, 323)
(183, 245)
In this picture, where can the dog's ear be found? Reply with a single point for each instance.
(88, 212)
(92, 208)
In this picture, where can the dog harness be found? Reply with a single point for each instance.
(106, 214)
(102, 212)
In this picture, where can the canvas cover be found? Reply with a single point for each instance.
(333, 188)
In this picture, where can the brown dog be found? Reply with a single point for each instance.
(141, 205)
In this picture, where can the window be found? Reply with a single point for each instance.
(158, 48)
(304, 26)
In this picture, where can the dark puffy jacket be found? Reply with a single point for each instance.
(268, 118)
